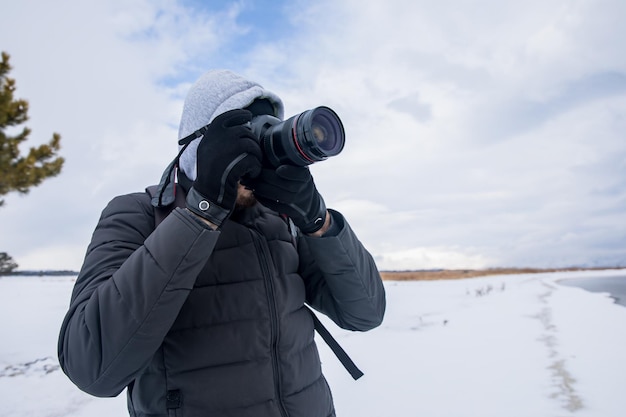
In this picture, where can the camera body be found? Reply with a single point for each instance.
(311, 136)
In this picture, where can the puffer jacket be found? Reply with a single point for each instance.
(197, 322)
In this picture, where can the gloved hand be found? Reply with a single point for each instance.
(290, 190)
(227, 151)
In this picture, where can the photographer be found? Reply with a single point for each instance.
(203, 313)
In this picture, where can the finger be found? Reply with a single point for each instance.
(243, 132)
(251, 161)
(279, 184)
(244, 165)
(248, 167)
(271, 192)
(293, 173)
(234, 118)
(251, 146)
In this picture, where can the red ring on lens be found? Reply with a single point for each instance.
(294, 136)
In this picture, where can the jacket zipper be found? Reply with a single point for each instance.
(264, 257)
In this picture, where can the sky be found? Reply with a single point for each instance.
(514, 346)
(479, 133)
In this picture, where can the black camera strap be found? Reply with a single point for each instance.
(332, 343)
(164, 194)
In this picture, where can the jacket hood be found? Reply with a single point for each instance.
(214, 93)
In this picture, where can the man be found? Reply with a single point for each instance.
(204, 314)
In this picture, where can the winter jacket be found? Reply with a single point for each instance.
(197, 322)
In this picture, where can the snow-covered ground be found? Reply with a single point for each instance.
(500, 346)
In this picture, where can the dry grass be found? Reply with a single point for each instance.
(468, 273)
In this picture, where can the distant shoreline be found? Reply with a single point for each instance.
(438, 274)
(42, 273)
(410, 275)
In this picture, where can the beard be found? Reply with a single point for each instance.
(245, 197)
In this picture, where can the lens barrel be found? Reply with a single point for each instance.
(306, 138)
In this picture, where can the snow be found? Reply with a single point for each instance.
(514, 345)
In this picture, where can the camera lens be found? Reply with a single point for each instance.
(318, 134)
(326, 133)
(308, 137)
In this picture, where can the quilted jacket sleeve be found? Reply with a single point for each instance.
(131, 287)
(341, 278)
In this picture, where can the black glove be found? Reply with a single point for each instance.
(227, 151)
(290, 190)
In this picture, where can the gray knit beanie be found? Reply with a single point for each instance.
(217, 92)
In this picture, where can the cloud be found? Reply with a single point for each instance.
(413, 106)
(53, 256)
(431, 258)
(487, 133)
(110, 78)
